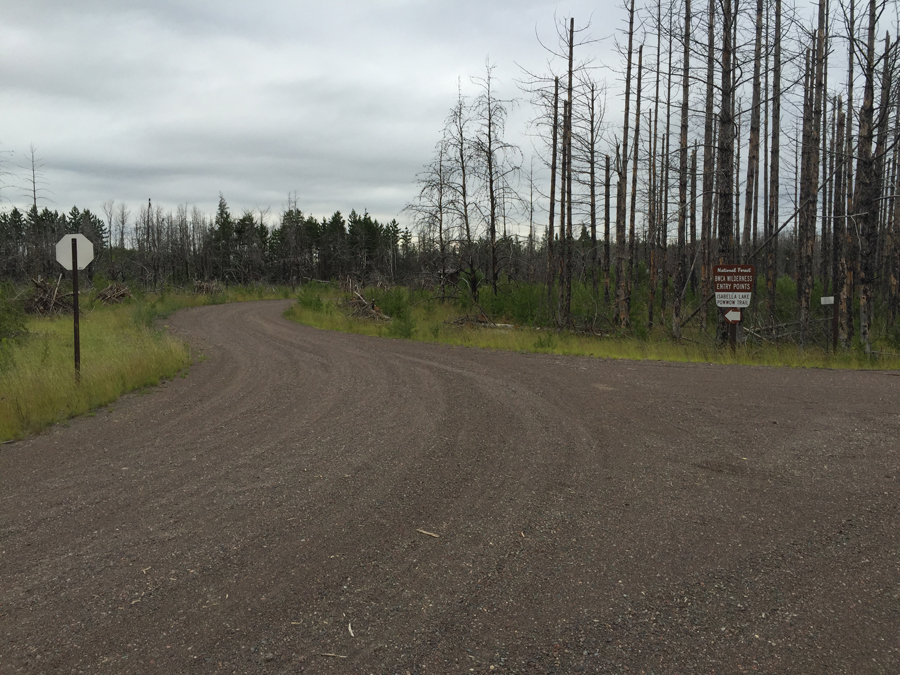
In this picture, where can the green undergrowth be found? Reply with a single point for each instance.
(421, 315)
(118, 355)
(123, 348)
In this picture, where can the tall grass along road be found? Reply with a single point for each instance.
(310, 501)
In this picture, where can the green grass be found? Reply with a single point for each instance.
(117, 355)
(122, 349)
(419, 316)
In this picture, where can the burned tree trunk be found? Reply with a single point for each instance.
(550, 231)
(692, 208)
(725, 168)
(632, 240)
(563, 200)
(865, 202)
(775, 153)
(706, 211)
(653, 198)
(839, 227)
(680, 281)
(606, 233)
(622, 304)
(567, 300)
(592, 177)
(807, 215)
(752, 188)
(851, 242)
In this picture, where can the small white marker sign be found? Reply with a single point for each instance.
(827, 300)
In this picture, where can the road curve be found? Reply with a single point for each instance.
(307, 501)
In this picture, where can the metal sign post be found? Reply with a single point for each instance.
(75, 256)
(75, 299)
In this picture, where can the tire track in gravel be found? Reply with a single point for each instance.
(591, 514)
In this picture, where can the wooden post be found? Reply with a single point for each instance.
(834, 327)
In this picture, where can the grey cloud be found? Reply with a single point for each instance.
(342, 101)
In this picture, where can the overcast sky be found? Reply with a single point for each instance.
(341, 102)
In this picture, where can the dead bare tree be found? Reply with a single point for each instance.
(36, 184)
(622, 303)
(498, 160)
(709, 161)
(752, 186)
(632, 213)
(460, 158)
(774, 171)
(725, 163)
(430, 209)
(680, 280)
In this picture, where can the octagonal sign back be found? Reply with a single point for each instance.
(64, 251)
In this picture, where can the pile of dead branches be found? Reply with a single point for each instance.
(114, 294)
(364, 309)
(207, 288)
(46, 300)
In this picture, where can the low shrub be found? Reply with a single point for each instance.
(12, 319)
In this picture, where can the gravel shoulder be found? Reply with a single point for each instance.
(307, 501)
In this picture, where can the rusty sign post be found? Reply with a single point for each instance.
(733, 285)
(75, 252)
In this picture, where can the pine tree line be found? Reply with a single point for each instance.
(159, 247)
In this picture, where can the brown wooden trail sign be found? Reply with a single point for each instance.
(733, 285)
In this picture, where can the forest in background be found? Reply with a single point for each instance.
(749, 134)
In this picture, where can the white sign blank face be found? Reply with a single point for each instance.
(64, 251)
(733, 299)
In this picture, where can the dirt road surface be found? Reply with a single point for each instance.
(270, 513)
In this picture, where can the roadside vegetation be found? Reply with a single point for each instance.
(513, 320)
(124, 347)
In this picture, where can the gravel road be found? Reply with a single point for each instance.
(307, 501)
